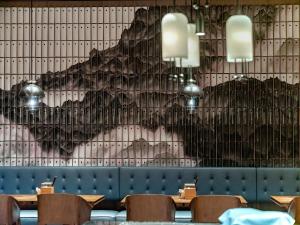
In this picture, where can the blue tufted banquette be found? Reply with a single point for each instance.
(254, 184)
(233, 181)
(76, 180)
(277, 181)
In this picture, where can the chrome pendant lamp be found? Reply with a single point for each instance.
(31, 93)
(239, 40)
(200, 27)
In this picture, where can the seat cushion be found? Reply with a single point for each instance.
(180, 216)
(28, 214)
(121, 216)
(183, 216)
(96, 215)
(104, 215)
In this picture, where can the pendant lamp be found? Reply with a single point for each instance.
(32, 95)
(239, 39)
(193, 57)
(174, 36)
(199, 17)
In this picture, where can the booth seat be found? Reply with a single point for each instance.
(277, 181)
(154, 180)
(76, 180)
(254, 184)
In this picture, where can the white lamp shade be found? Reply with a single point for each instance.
(239, 39)
(174, 36)
(193, 59)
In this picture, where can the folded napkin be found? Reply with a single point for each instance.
(248, 216)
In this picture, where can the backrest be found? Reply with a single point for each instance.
(277, 181)
(150, 208)
(62, 209)
(9, 210)
(65, 205)
(216, 181)
(75, 180)
(294, 209)
(208, 208)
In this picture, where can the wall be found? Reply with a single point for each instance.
(110, 100)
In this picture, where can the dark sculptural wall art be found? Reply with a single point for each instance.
(110, 99)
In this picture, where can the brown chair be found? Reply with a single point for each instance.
(150, 208)
(62, 209)
(208, 208)
(294, 209)
(9, 211)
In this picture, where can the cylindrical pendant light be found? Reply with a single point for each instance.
(193, 58)
(239, 39)
(174, 36)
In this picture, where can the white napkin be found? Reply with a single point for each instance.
(248, 216)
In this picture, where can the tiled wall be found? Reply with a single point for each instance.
(118, 105)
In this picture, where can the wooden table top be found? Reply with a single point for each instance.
(185, 203)
(282, 201)
(91, 199)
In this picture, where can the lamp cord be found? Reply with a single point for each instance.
(30, 41)
(238, 7)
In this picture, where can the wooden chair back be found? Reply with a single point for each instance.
(9, 211)
(150, 208)
(208, 208)
(62, 209)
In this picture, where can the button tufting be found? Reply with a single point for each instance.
(109, 176)
(163, 188)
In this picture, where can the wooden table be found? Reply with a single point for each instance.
(32, 199)
(282, 201)
(185, 203)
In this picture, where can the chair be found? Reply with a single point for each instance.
(294, 209)
(62, 209)
(150, 208)
(208, 208)
(9, 211)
